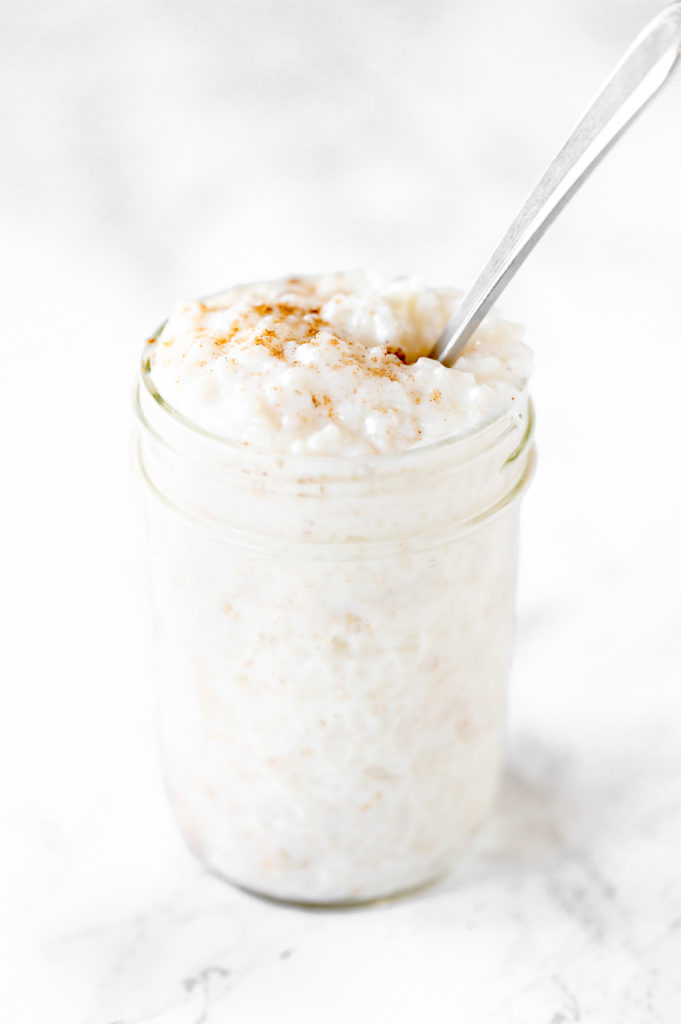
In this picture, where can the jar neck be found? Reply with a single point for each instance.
(422, 496)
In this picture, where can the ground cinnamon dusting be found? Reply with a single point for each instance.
(283, 360)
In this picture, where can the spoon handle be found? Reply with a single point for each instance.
(635, 80)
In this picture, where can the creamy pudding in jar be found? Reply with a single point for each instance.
(333, 521)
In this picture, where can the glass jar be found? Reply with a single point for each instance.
(332, 640)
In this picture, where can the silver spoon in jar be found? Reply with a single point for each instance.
(635, 80)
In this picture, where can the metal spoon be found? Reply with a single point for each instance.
(635, 80)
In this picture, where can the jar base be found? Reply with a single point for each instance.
(358, 903)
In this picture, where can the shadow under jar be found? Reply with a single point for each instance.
(333, 638)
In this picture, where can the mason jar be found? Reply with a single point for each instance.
(332, 639)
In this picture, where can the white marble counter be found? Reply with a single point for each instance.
(159, 150)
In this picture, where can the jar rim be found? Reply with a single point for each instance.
(385, 459)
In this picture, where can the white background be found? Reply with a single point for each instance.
(153, 151)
